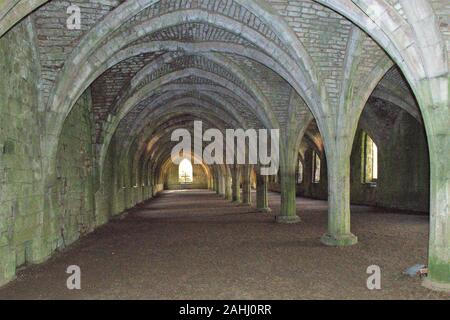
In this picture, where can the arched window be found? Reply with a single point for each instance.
(185, 172)
(300, 172)
(370, 159)
(315, 167)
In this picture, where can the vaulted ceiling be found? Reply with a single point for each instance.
(174, 61)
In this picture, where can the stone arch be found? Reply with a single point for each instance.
(12, 11)
(144, 131)
(248, 83)
(154, 85)
(161, 119)
(72, 70)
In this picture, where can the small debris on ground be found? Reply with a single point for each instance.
(418, 270)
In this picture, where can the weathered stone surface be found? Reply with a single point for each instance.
(21, 193)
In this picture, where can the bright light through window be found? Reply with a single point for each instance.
(316, 167)
(374, 161)
(185, 172)
(300, 172)
(370, 160)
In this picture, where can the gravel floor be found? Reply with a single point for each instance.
(194, 245)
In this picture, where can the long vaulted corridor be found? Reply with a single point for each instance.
(173, 149)
(195, 245)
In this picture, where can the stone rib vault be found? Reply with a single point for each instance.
(86, 115)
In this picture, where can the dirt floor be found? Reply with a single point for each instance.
(194, 245)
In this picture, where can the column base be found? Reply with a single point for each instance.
(264, 210)
(288, 219)
(436, 286)
(340, 240)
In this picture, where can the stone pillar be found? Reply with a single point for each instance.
(439, 243)
(150, 191)
(288, 212)
(262, 199)
(338, 233)
(216, 182)
(246, 186)
(217, 185)
(228, 188)
(438, 133)
(236, 184)
(221, 182)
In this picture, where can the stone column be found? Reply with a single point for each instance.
(217, 184)
(150, 191)
(221, 184)
(246, 186)
(436, 120)
(216, 181)
(228, 188)
(338, 233)
(262, 199)
(236, 184)
(288, 212)
(439, 245)
(211, 183)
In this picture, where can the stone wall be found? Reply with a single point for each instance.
(308, 188)
(36, 220)
(105, 199)
(21, 196)
(403, 181)
(74, 205)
